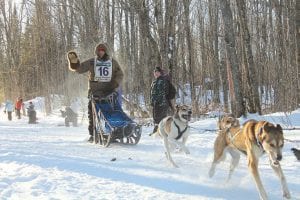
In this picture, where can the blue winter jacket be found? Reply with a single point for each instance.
(9, 106)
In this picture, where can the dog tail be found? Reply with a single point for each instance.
(296, 153)
(154, 133)
(155, 130)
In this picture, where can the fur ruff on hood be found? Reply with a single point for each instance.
(104, 46)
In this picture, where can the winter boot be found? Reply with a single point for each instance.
(91, 139)
(67, 122)
(97, 138)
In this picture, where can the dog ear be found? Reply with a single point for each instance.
(236, 122)
(177, 107)
(268, 127)
(278, 127)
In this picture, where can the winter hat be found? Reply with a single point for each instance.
(103, 46)
(158, 69)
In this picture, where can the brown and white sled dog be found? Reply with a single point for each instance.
(174, 131)
(253, 139)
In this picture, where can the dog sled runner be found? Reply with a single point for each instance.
(111, 124)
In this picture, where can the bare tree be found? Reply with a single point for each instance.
(238, 106)
(251, 45)
(297, 19)
(252, 79)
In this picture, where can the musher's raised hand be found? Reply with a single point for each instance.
(73, 58)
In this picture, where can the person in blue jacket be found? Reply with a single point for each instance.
(9, 108)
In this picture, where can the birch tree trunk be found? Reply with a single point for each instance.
(279, 92)
(298, 48)
(171, 7)
(238, 108)
(249, 62)
(191, 58)
(214, 23)
(150, 56)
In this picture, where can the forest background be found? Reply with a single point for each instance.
(232, 55)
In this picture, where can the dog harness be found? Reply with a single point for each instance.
(232, 137)
(180, 133)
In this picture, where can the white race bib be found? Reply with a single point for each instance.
(103, 70)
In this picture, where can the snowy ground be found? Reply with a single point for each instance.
(47, 161)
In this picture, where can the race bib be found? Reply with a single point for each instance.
(103, 70)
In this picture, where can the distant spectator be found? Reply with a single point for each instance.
(9, 108)
(18, 106)
(31, 113)
(70, 116)
(23, 109)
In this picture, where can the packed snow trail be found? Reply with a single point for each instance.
(47, 161)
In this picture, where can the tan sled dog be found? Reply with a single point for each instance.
(228, 121)
(254, 139)
(175, 130)
(229, 130)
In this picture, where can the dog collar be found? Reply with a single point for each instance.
(180, 133)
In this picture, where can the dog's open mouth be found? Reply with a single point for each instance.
(187, 117)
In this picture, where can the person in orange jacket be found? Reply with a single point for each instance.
(18, 106)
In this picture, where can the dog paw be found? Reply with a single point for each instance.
(287, 195)
(186, 151)
(175, 166)
(211, 173)
(166, 154)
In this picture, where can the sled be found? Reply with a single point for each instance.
(111, 124)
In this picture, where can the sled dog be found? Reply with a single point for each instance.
(296, 153)
(253, 139)
(174, 131)
(227, 121)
